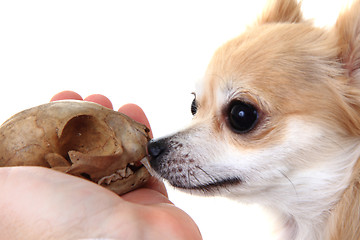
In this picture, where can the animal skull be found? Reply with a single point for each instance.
(79, 138)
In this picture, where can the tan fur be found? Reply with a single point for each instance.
(301, 157)
(311, 68)
(348, 28)
(344, 222)
(336, 53)
(282, 11)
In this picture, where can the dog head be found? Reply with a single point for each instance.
(277, 110)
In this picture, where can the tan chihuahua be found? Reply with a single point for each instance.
(277, 122)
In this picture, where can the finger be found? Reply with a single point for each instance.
(99, 99)
(66, 95)
(166, 221)
(136, 113)
(157, 185)
(145, 196)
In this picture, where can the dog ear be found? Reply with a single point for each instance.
(281, 11)
(348, 31)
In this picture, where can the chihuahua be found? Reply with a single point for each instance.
(277, 122)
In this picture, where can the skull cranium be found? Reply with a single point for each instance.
(79, 138)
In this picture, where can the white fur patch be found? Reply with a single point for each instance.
(300, 177)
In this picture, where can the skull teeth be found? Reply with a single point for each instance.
(128, 172)
(120, 174)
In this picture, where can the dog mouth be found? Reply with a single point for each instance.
(210, 186)
(183, 171)
(219, 184)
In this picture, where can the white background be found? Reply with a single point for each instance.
(147, 52)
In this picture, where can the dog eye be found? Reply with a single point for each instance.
(242, 116)
(194, 106)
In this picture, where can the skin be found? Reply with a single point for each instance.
(39, 203)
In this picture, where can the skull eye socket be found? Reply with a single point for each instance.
(242, 117)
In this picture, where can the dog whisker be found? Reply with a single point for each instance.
(207, 174)
(200, 184)
(287, 178)
(213, 180)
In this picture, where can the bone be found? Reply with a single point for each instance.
(79, 138)
(146, 163)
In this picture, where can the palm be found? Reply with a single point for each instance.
(39, 203)
(46, 204)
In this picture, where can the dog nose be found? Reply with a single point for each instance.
(156, 147)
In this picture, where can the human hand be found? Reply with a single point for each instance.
(40, 203)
